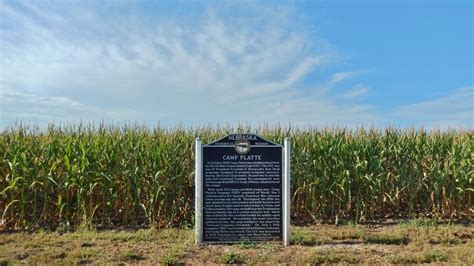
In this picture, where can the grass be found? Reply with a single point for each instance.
(231, 258)
(169, 260)
(132, 255)
(387, 239)
(436, 256)
(81, 176)
(306, 238)
(426, 257)
(332, 257)
(343, 244)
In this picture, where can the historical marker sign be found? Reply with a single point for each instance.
(240, 190)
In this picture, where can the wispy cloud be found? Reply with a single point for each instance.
(357, 91)
(216, 69)
(454, 109)
(341, 76)
(42, 109)
(327, 87)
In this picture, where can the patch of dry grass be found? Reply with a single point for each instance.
(318, 244)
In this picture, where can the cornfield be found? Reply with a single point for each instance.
(103, 176)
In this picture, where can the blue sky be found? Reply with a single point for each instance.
(308, 63)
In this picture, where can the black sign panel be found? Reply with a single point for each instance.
(242, 190)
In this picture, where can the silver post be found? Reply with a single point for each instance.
(198, 226)
(286, 193)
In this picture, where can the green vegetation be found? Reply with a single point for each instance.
(306, 238)
(326, 257)
(387, 239)
(79, 176)
(231, 258)
(427, 257)
(169, 260)
(132, 255)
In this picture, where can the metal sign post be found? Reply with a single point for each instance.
(198, 192)
(286, 192)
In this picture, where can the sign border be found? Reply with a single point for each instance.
(199, 189)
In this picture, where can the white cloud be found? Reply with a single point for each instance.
(215, 69)
(341, 76)
(452, 110)
(357, 91)
(40, 109)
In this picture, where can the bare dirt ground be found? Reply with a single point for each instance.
(400, 243)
